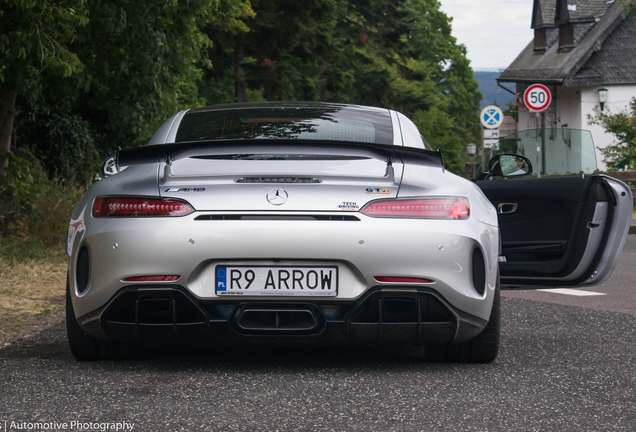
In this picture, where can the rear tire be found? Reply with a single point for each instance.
(483, 348)
(86, 347)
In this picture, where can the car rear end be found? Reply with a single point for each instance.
(284, 241)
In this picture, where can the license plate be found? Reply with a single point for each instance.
(277, 281)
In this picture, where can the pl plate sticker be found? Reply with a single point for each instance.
(348, 205)
(221, 282)
(76, 226)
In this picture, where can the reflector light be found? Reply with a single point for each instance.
(277, 180)
(401, 279)
(424, 208)
(139, 207)
(152, 278)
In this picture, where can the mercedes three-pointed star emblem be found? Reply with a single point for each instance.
(277, 196)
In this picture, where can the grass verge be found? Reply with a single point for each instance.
(31, 287)
(35, 210)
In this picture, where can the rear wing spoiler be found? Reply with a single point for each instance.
(171, 152)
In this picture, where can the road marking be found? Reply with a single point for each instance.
(573, 292)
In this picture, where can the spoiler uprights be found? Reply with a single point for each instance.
(170, 152)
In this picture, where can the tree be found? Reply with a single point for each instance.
(416, 67)
(623, 126)
(392, 53)
(141, 63)
(266, 58)
(630, 5)
(138, 58)
(512, 110)
(34, 41)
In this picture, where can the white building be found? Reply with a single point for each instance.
(579, 47)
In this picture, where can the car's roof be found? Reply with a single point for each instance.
(251, 105)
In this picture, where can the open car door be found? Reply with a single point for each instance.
(561, 225)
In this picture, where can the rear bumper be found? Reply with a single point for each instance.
(438, 250)
(170, 314)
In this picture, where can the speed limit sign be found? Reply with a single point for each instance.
(537, 97)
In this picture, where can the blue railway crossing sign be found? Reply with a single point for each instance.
(491, 117)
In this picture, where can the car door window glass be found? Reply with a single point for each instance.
(552, 152)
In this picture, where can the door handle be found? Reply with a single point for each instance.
(504, 208)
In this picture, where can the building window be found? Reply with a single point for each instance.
(539, 39)
(566, 35)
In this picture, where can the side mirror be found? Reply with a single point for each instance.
(109, 167)
(509, 165)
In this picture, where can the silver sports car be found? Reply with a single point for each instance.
(320, 223)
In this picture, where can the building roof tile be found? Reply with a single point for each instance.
(604, 52)
(586, 9)
(543, 13)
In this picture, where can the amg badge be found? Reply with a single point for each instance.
(185, 190)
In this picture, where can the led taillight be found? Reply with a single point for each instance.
(424, 208)
(401, 279)
(152, 278)
(139, 207)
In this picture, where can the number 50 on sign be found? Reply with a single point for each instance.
(537, 97)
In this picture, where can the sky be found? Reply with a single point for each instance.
(493, 31)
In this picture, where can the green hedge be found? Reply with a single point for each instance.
(34, 209)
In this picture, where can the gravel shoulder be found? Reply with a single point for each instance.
(23, 326)
(31, 295)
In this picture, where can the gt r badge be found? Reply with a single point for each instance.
(378, 191)
(76, 226)
(277, 196)
(185, 189)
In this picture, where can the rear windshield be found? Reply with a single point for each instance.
(329, 124)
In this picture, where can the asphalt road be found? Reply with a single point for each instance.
(567, 363)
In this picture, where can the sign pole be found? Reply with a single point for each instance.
(543, 161)
(539, 153)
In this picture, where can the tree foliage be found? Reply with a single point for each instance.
(630, 6)
(623, 126)
(34, 42)
(35, 36)
(138, 60)
(392, 53)
(140, 63)
(136, 63)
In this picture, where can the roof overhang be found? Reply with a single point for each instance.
(531, 80)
